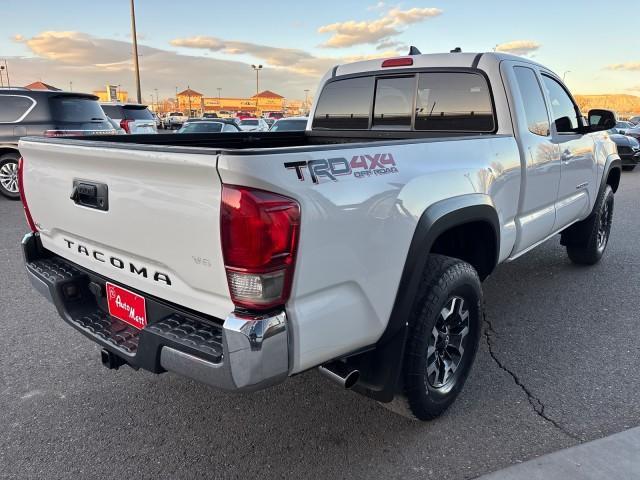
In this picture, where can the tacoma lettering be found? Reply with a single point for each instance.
(117, 262)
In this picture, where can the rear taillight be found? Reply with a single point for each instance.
(259, 233)
(124, 124)
(27, 213)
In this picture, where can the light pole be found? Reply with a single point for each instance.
(157, 100)
(189, 90)
(134, 37)
(565, 74)
(257, 68)
(306, 100)
(70, 86)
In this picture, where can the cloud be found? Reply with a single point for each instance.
(59, 57)
(290, 59)
(274, 56)
(378, 6)
(387, 44)
(628, 66)
(350, 33)
(518, 47)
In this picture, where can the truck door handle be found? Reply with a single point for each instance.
(90, 194)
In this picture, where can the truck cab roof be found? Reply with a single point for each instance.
(456, 60)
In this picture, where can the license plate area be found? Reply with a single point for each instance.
(126, 306)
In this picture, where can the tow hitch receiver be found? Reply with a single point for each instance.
(111, 360)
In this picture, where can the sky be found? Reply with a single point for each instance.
(211, 44)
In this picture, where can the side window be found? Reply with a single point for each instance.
(229, 128)
(394, 102)
(345, 104)
(14, 107)
(454, 102)
(564, 112)
(533, 100)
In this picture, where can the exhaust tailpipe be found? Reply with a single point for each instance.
(340, 373)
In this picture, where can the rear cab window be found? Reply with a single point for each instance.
(437, 101)
(13, 108)
(345, 105)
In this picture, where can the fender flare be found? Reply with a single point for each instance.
(381, 366)
(613, 163)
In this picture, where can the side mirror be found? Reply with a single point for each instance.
(600, 119)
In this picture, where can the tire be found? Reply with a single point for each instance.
(9, 176)
(586, 241)
(628, 168)
(447, 315)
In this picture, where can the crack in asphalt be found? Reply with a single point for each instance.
(534, 401)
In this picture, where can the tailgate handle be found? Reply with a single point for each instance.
(90, 194)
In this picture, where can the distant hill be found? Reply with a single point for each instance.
(624, 105)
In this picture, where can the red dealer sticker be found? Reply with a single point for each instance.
(126, 306)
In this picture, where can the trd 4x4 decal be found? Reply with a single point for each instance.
(360, 166)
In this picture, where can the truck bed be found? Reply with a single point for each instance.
(258, 140)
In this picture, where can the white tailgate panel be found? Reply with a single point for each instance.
(163, 214)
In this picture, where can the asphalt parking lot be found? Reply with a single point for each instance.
(559, 364)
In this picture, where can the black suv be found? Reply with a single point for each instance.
(34, 112)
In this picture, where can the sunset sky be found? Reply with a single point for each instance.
(211, 44)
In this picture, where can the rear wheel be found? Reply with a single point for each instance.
(443, 336)
(586, 241)
(9, 176)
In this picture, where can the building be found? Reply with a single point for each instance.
(41, 86)
(191, 102)
(111, 94)
(260, 104)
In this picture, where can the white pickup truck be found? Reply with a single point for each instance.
(357, 246)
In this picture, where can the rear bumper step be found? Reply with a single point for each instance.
(240, 353)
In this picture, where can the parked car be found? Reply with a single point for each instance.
(253, 125)
(158, 121)
(209, 126)
(225, 114)
(174, 120)
(269, 121)
(622, 126)
(633, 132)
(116, 127)
(209, 115)
(39, 112)
(628, 149)
(290, 124)
(275, 115)
(357, 246)
(133, 118)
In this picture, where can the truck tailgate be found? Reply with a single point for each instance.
(161, 205)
